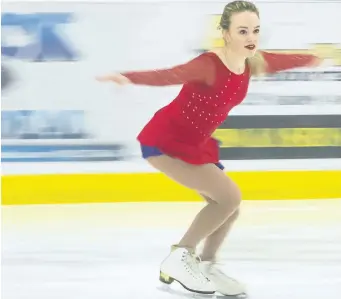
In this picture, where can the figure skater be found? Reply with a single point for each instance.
(177, 140)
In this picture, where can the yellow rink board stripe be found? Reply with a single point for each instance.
(146, 187)
(279, 137)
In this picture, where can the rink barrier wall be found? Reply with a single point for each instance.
(156, 187)
(280, 137)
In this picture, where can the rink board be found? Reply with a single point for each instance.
(148, 187)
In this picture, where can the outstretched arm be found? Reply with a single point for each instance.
(280, 62)
(200, 69)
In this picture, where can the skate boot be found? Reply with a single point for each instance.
(224, 284)
(183, 266)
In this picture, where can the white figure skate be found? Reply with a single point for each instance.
(224, 284)
(183, 266)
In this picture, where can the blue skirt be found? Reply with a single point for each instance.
(151, 151)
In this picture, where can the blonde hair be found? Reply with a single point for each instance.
(256, 63)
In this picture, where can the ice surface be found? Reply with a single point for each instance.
(280, 249)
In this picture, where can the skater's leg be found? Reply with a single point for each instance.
(215, 240)
(210, 181)
(225, 200)
(224, 284)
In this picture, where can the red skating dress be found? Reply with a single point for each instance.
(183, 128)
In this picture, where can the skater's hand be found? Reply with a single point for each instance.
(316, 62)
(117, 78)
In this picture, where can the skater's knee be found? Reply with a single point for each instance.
(233, 196)
(229, 199)
(235, 215)
(231, 205)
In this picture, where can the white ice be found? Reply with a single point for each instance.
(279, 249)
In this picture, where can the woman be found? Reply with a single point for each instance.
(177, 140)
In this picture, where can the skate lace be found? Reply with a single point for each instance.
(191, 264)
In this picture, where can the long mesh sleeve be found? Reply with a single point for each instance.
(280, 62)
(199, 69)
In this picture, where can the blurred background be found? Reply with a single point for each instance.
(81, 210)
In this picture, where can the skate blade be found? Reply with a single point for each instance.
(238, 296)
(168, 280)
(185, 294)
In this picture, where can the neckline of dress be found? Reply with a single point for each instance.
(225, 66)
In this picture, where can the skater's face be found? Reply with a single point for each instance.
(243, 33)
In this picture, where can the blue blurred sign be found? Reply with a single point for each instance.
(36, 37)
(42, 124)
